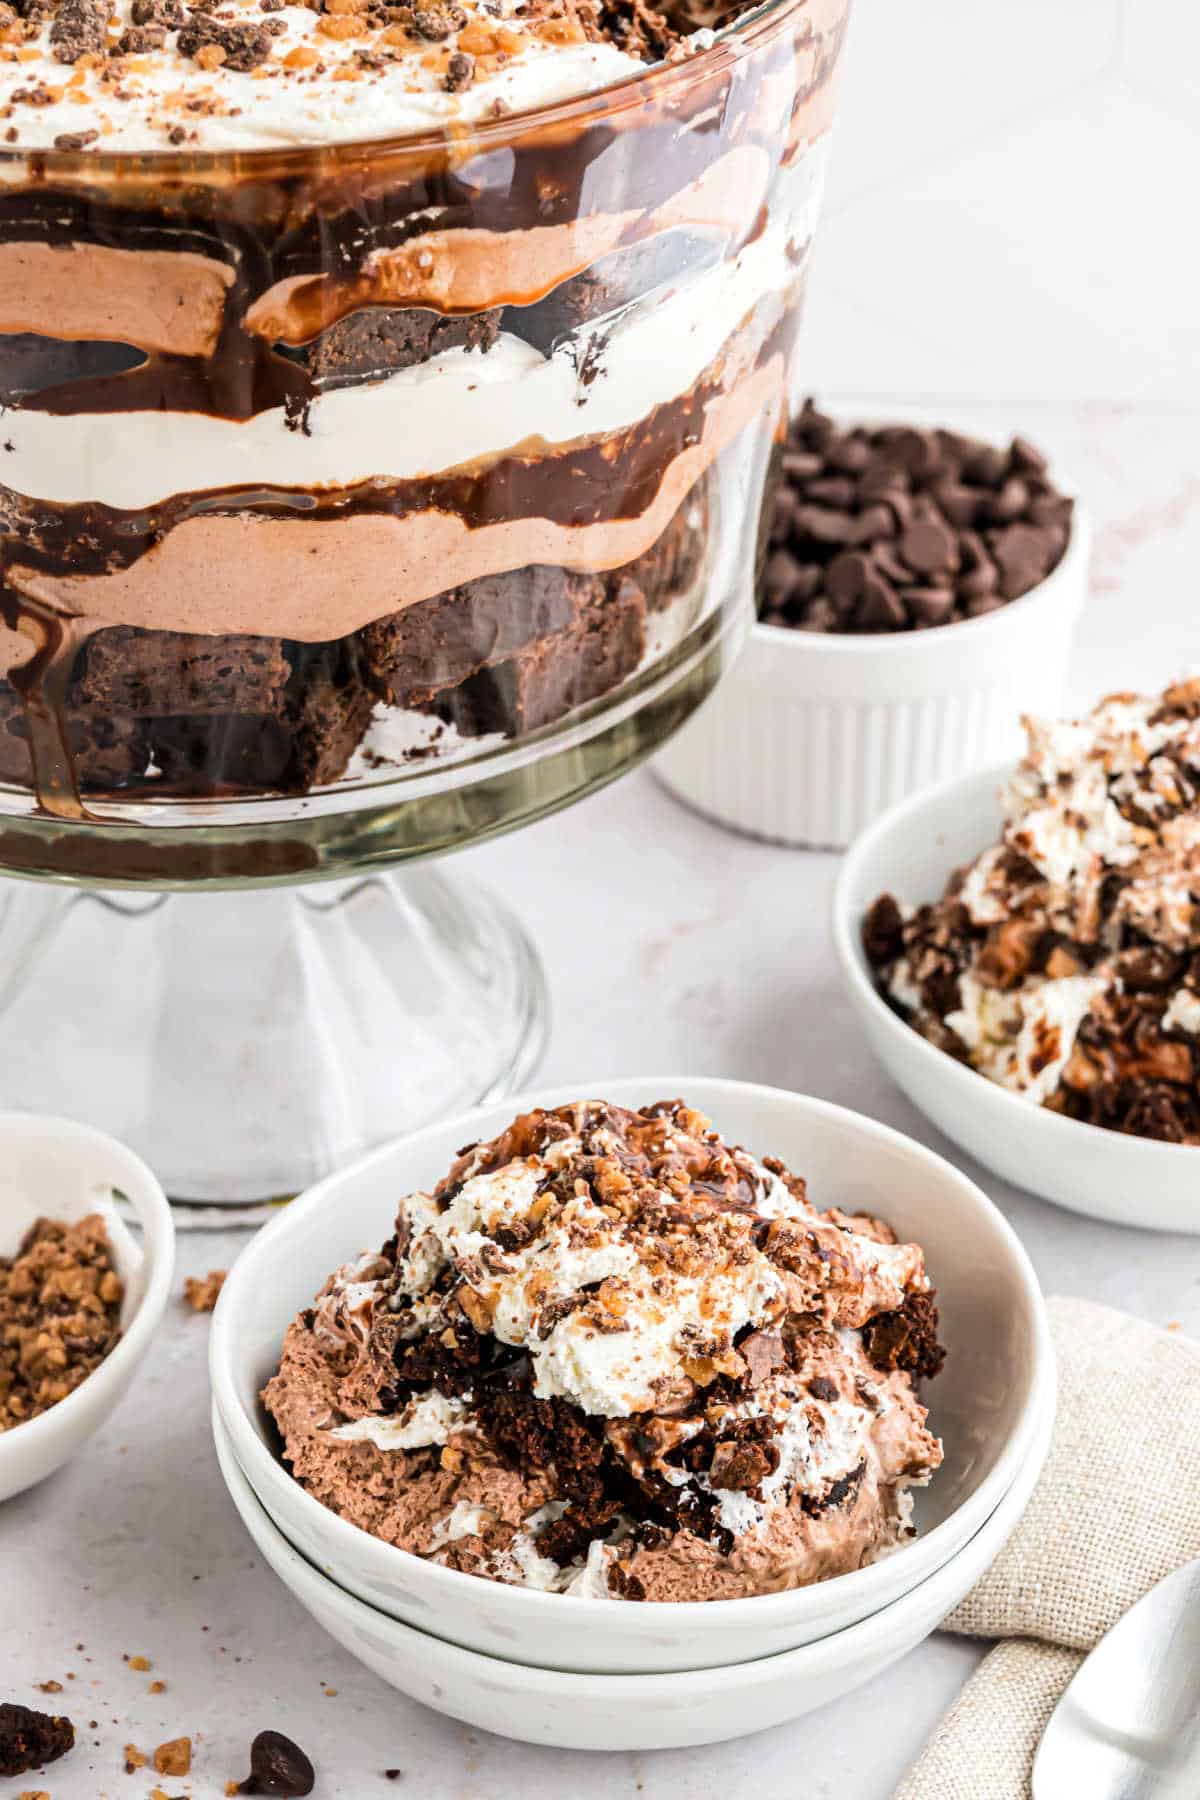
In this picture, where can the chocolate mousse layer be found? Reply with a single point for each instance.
(612, 1355)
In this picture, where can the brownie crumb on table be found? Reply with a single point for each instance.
(897, 528)
(201, 1292)
(60, 1314)
(30, 1740)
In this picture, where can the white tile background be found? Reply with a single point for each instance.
(1010, 235)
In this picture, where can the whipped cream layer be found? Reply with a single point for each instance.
(462, 407)
(696, 1384)
(1064, 962)
(323, 77)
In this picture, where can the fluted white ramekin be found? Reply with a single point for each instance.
(813, 735)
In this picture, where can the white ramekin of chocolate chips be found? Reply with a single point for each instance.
(919, 592)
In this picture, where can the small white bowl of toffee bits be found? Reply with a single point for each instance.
(80, 1295)
(919, 593)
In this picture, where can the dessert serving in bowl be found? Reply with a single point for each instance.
(1021, 946)
(617, 1396)
(390, 394)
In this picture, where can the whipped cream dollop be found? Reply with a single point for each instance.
(611, 1316)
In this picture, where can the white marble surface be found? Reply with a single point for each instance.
(1006, 235)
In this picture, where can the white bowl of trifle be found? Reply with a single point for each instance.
(1020, 947)
(603, 1393)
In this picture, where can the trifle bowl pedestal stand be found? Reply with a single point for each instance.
(245, 1044)
(360, 501)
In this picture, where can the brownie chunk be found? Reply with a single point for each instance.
(305, 742)
(379, 340)
(328, 722)
(672, 565)
(560, 672)
(203, 753)
(30, 1740)
(442, 641)
(154, 674)
(907, 1339)
(107, 751)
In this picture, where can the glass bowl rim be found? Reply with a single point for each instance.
(662, 80)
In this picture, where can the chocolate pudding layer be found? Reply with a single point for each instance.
(612, 1356)
(337, 455)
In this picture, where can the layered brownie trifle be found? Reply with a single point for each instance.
(380, 380)
(1064, 962)
(611, 1355)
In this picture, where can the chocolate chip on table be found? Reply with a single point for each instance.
(905, 529)
(278, 1766)
(30, 1740)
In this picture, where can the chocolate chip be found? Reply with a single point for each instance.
(928, 545)
(460, 72)
(983, 579)
(928, 605)
(833, 490)
(1026, 458)
(75, 140)
(888, 563)
(881, 608)
(853, 454)
(1023, 554)
(801, 465)
(961, 505)
(846, 577)
(1010, 503)
(824, 525)
(986, 466)
(278, 1766)
(874, 522)
(821, 1388)
(821, 615)
(781, 576)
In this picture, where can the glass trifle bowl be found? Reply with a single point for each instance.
(367, 495)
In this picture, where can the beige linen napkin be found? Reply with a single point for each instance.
(1116, 1509)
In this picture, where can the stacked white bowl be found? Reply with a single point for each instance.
(599, 1674)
